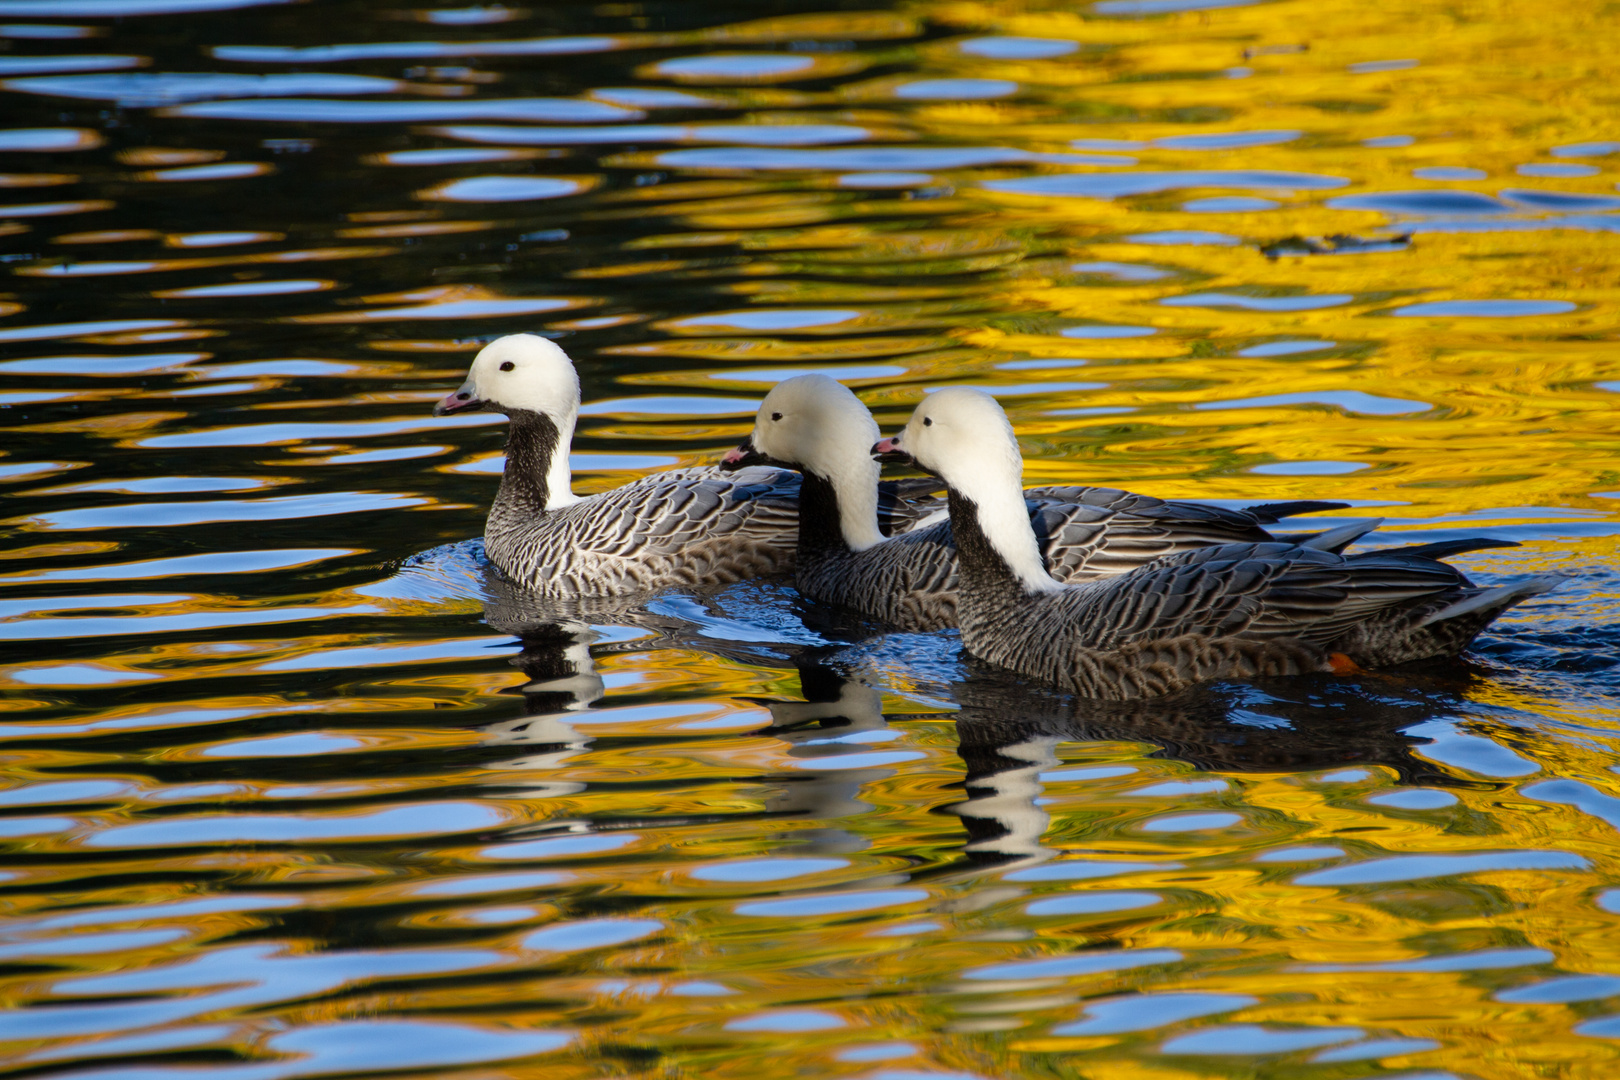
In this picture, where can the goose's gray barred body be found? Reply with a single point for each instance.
(816, 425)
(1227, 611)
(684, 527)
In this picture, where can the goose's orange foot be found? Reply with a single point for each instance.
(1340, 664)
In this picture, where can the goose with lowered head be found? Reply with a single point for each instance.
(816, 425)
(1229, 611)
(683, 527)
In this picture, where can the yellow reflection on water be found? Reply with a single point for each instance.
(1205, 337)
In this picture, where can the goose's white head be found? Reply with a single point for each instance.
(817, 425)
(962, 436)
(525, 373)
(519, 371)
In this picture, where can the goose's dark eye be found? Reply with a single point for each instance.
(928, 421)
(508, 366)
(776, 416)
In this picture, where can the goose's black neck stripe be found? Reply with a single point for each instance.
(531, 443)
(821, 530)
(978, 558)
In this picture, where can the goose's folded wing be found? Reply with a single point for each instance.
(1272, 590)
(1079, 541)
(1102, 498)
(1083, 539)
(1269, 590)
(672, 512)
(1199, 523)
(1169, 598)
(1130, 502)
(752, 474)
(1319, 602)
(902, 504)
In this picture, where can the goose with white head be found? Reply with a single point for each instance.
(816, 425)
(1227, 611)
(683, 527)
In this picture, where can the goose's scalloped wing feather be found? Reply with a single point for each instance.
(1322, 601)
(902, 504)
(688, 526)
(671, 512)
(910, 580)
(1257, 591)
(1102, 498)
(1130, 502)
(1089, 532)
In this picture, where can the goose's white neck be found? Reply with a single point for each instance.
(856, 485)
(559, 473)
(1003, 518)
(813, 423)
(531, 374)
(962, 435)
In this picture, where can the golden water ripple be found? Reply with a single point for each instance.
(292, 786)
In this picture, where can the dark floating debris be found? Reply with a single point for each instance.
(1275, 50)
(1337, 244)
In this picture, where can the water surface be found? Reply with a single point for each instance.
(293, 787)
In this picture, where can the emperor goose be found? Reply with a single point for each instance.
(681, 527)
(816, 425)
(1230, 611)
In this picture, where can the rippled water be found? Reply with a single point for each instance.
(283, 793)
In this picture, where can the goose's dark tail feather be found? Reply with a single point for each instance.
(1271, 513)
(1448, 629)
(1440, 549)
(1335, 540)
(1489, 603)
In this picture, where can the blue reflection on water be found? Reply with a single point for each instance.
(1421, 202)
(1258, 303)
(1143, 1012)
(1419, 799)
(1486, 309)
(1419, 867)
(1017, 48)
(1230, 140)
(1353, 401)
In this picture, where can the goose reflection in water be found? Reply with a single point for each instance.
(1008, 734)
(561, 639)
(561, 683)
(837, 736)
(1008, 731)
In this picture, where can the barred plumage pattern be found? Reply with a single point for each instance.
(1226, 611)
(686, 527)
(1084, 533)
(1232, 611)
